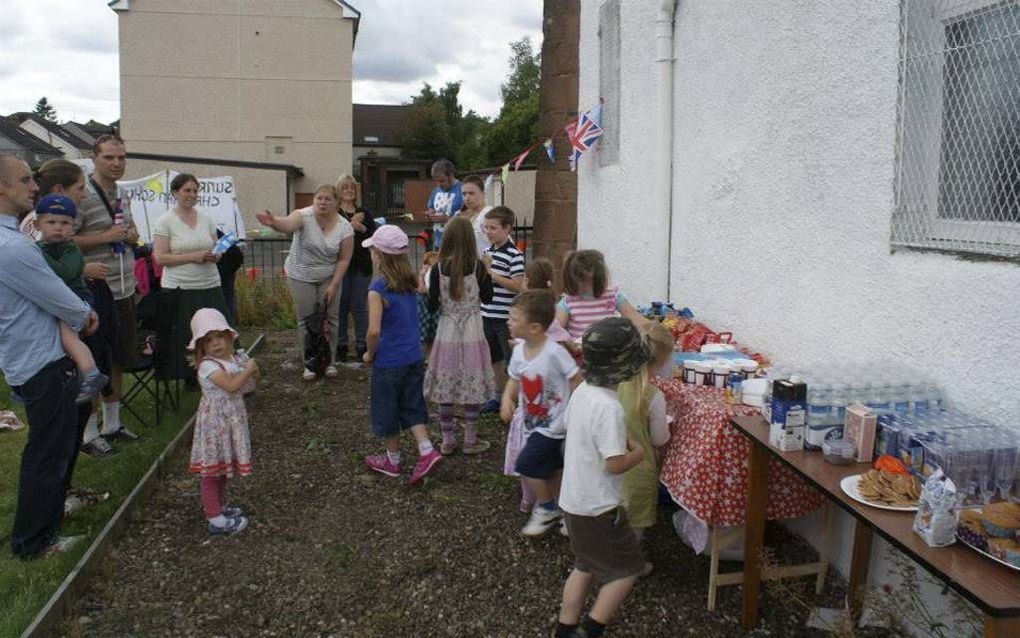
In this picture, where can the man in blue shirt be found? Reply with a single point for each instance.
(445, 200)
(32, 300)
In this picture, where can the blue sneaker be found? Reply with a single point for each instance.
(492, 405)
(92, 382)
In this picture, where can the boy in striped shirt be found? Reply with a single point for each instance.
(506, 267)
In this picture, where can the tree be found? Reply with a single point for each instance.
(45, 109)
(516, 126)
(438, 127)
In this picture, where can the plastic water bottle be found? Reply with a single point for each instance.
(837, 412)
(819, 404)
(224, 243)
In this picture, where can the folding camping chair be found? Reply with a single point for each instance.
(155, 334)
(164, 393)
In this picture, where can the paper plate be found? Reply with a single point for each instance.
(849, 486)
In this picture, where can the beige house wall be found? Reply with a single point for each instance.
(258, 81)
(518, 194)
(257, 189)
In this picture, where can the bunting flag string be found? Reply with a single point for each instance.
(548, 144)
(582, 132)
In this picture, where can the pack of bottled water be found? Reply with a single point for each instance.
(885, 388)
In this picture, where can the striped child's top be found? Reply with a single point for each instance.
(582, 311)
(507, 261)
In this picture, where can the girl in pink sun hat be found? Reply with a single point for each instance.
(398, 367)
(221, 446)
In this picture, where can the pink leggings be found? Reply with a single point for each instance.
(212, 490)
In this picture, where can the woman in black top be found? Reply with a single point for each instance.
(354, 295)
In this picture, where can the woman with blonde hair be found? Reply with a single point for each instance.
(354, 295)
(320, 253)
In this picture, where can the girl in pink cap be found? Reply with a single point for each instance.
(398, 368)
(221, 446)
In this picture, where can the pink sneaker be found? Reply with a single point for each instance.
(424, 466)
(381, 463)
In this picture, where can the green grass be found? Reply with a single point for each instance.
(26, 586)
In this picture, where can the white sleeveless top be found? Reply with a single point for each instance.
(313, 255)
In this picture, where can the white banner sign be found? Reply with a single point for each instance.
(150, 198)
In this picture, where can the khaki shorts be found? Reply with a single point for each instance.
(605, 545)
(125, 349)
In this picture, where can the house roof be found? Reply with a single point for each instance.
(26, 140)
(52, 127)
(95, 129)
(378, 124)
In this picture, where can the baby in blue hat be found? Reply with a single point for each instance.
(55, 221)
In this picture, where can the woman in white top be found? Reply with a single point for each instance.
(320, 253)
(182, 242)
(473, 190)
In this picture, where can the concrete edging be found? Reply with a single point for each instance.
(52, 613)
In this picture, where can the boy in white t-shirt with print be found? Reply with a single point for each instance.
(542, 373)
(597, 454)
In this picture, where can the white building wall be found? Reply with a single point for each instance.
(783, 177)
(616, 203)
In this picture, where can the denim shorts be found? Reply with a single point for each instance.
(397, 400)
(541, 457)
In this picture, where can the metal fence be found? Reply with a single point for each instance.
(958, 130)
(264, 257)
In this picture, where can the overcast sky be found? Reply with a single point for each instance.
(67, 51)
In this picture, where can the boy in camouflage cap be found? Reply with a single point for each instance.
(597, 453)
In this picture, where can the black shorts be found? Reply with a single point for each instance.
(541, 457)
(125, 348)
(605, 545)
(396, 400)
(497, 333)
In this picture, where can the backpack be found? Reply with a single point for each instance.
(317, 350)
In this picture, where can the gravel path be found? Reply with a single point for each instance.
(333, 550)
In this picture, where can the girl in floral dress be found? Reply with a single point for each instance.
(221, 446)
(460, 369)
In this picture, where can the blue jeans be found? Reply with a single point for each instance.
(53, 423)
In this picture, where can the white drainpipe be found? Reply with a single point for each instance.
(664, 149)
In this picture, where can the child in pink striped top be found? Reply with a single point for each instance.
(588, 297)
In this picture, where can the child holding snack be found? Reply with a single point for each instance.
(221, 446)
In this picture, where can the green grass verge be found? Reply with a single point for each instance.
(26, 586)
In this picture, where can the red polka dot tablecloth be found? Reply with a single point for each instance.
(704, 465)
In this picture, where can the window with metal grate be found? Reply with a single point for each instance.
(958, 132)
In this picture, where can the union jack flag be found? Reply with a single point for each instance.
(583, 134)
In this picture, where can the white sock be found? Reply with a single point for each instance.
(218, 521)
(394, 457)
(91, 429)
(111, 417)
(424, 447)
